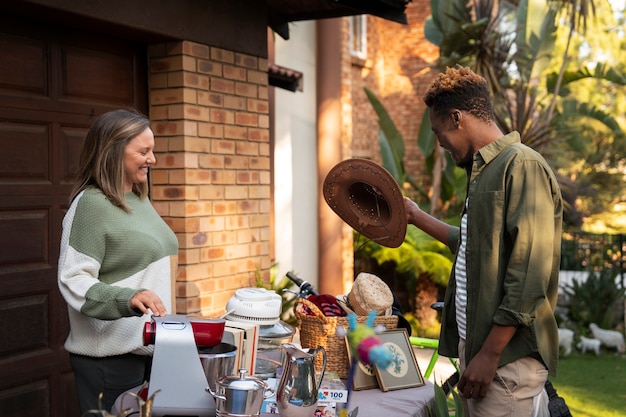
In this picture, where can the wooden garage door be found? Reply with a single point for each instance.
(52, 84)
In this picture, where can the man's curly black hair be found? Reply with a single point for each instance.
(460, 88)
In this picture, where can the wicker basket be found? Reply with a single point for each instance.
(319, 330)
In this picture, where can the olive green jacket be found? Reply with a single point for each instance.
(514, 211)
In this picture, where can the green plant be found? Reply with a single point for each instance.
(421, 266)
(419, 254)
(444, 405)
(420, 262)
(283, 287)
(593, 300)
(527, 51)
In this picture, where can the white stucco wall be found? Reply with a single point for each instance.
(295, 158)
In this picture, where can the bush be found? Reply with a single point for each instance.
(594, 300)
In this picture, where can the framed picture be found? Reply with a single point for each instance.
(364, 375)
(403, 372)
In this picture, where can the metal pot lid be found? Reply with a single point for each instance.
(241, 382)
(276, 331)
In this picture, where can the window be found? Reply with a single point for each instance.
(358, 36)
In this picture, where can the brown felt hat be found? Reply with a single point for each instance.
(368, 198)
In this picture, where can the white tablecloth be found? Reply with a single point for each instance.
(407, 402)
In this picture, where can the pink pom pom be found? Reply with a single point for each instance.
(364, 348)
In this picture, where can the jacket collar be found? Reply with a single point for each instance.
(489, 152)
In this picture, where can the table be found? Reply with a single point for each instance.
(407, 402)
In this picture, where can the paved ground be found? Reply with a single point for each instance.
(443, 368)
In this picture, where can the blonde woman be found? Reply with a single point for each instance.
(116, 259)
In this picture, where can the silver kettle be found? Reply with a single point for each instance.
(298, 387)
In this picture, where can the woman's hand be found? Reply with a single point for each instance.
(147, 300)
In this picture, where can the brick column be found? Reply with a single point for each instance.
(210, 114)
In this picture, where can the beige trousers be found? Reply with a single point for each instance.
(514, 392)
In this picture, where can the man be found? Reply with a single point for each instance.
(499, 304)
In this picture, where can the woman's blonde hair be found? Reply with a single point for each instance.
(101, 162)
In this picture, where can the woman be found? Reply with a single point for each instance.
(117, 259)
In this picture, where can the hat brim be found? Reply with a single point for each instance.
(368, 198)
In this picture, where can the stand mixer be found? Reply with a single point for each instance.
(177, 372)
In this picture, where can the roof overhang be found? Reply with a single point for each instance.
(281, 12)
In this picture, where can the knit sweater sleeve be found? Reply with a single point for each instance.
(81, 255)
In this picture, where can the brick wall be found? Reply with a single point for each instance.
(400, 65)
(210, 114)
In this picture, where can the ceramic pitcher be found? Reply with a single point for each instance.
(297, 390)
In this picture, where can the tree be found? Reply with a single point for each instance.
(512, 45)
(534, 77)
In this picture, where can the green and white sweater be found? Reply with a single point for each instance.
(107, 256)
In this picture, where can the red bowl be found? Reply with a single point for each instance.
(208, 332)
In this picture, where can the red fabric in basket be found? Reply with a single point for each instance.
(327, 304)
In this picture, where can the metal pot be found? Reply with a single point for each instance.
(217, 361)
(239, 395)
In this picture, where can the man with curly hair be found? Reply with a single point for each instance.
(499, 304)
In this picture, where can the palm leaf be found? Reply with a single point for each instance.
(600, 72)
(391, 134)
(575, 109)
(426, 137)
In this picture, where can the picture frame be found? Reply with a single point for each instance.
(364, 375)
(404, 371)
